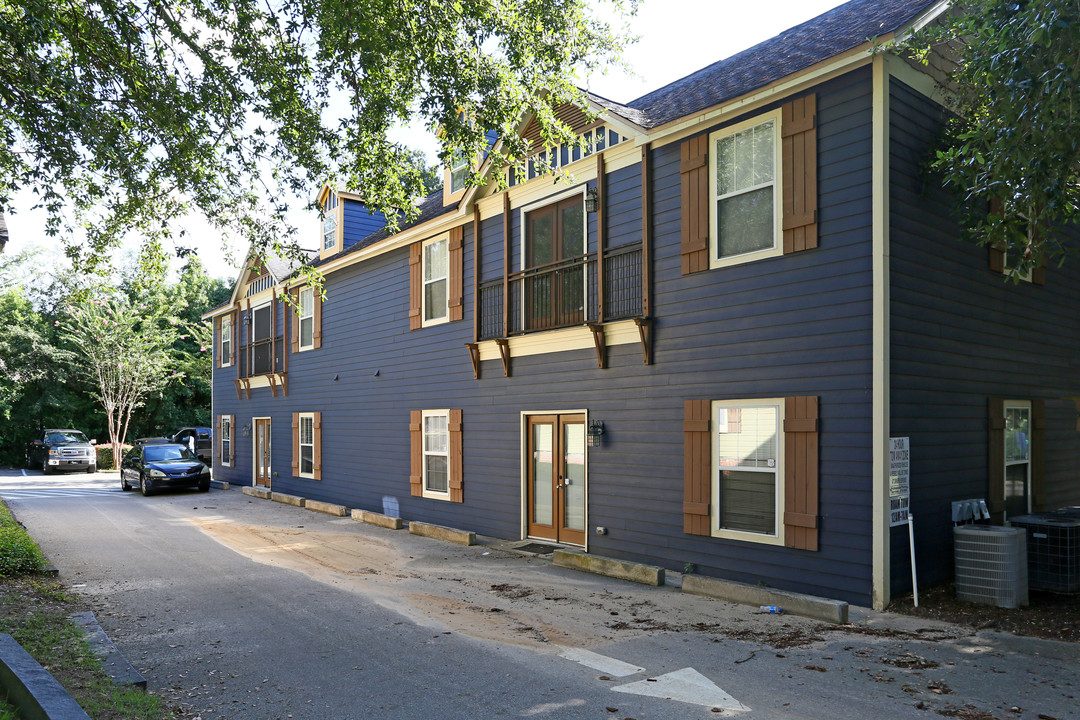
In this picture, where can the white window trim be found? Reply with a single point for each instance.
(300, 445)
(225, 353)
(424, 453)
(463, 164)
(224, 456)
(424, 322)
(778, 200)
(330, 216)
(1018, 405)
(300, 319)
(714, 481)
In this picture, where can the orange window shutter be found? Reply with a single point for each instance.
(457, 273)
(416, 452)
(316, 450)
(416, 286)
(694, 174)
(316, 321)
(801, 473)
(217, 334)
(697, 468)
(1038, 454)
(995, 443)
(798, 142)
(295, 444)
(457, 465)
(294, 331)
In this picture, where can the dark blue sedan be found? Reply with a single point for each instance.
(154, 467)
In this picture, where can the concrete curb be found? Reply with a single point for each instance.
(294, 500)
(31, 690)
(833, 611)
(116, 666)
(219, 484)
(374, 518)
(328, 508)
(438, 532)
(262, 493)
(621, 569)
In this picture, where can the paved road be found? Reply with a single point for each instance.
(245, 609)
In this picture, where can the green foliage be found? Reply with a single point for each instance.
(134, 113)
(105, 455)
(1016, 137)
(19, 554)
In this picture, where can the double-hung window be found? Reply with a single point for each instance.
(744, 163)
(748, 475)
(226, 440)
(329, 230)
(436, 453)
(459, 171)
(1017, 457)
(436, 261)
(307, 318)
(307, 445)
(225, 348)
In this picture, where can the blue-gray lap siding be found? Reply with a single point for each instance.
(960, 334)
(793, 325)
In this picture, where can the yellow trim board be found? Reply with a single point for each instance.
(621, 332)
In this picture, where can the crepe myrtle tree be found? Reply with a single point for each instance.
(1012, 149)
(124, 115)
(123, 349)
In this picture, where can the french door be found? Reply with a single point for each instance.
(262, 451)
(555, 478)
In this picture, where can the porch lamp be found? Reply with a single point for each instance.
(596, 432)
(592, 204)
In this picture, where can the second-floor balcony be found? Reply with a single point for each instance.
(563, 294)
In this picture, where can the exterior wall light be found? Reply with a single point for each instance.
(596, 432)
(592, 204)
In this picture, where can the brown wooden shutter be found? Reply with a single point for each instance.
(316, 321)
(798, 139)
(294, 298)
(217, 335)
(694, 170)
(416, 286)
(316, 446)
(697, 467)
(801, 473)
(1037, 445)
(416, 452)
(232, 439)
(995, 496)
(234, 337)
(457, 274)
(296, 444)
(456, 461)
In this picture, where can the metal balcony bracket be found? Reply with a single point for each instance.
(474, 355)
(598, 341)
(645, 332)
(504, 351)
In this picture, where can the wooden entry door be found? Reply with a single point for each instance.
(555, 478)
(262, 452)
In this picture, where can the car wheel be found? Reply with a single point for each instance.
(145, 486)
(91, 469)
(204, 486)
(123, 482)
(46, 469)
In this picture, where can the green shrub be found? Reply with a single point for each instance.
(19, 554)
(105, 458)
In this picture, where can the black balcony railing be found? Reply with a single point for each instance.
(563, 294)
(262, 357)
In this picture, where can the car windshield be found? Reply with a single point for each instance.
(67, 436)
(157, 453)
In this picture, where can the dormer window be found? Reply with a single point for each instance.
(459, 171)
(329, 241)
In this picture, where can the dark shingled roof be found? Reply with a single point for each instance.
(821, 38)
(430, 208)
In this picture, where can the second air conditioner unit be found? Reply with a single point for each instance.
(991, 565)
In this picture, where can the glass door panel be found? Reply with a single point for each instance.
(541, 477)
(574, 476)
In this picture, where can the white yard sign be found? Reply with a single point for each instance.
(899, 481)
